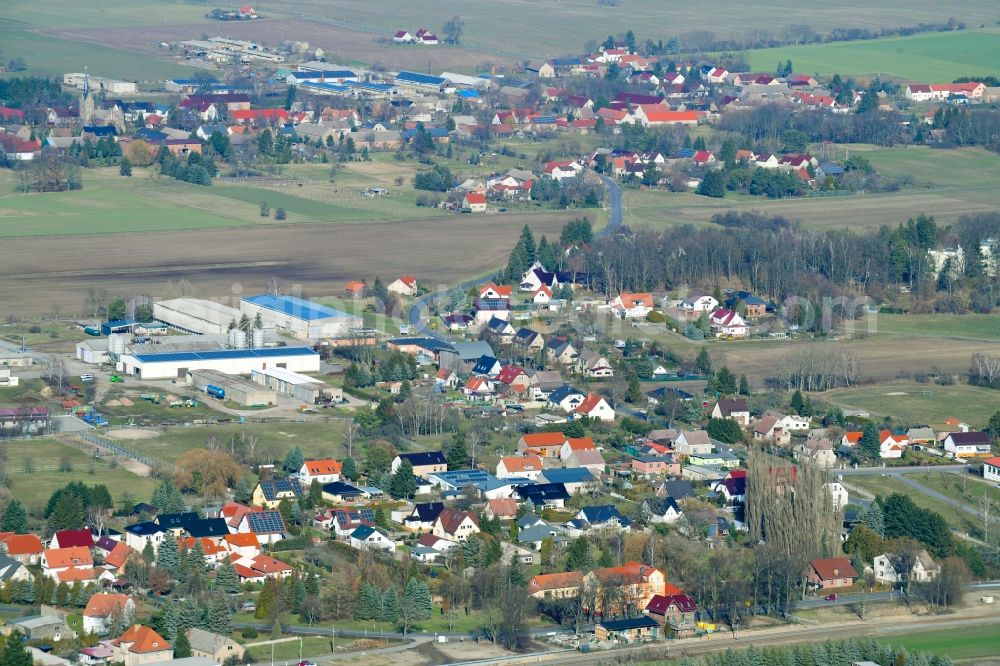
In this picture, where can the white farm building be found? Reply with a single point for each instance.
(174, 365)
(298, 317)
(195, 315)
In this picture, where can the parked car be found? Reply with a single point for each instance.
(831, 597)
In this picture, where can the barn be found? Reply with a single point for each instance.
(298, 317)
(176, 365)
(301, 387)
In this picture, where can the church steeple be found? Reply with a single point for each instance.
(86, 82)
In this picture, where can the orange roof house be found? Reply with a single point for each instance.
(555, 585)
(355, 287)
(544, 444)
(118, 555)
(25, 548)
(140, 644)
(55, 559)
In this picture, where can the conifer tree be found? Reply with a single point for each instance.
(390, 605)
(226, 579)
(15, 518)
(168, 557)
(182, 646)
(219, 618)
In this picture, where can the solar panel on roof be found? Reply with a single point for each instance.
(266, 521)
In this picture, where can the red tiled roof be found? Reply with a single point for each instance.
(102, 604)
(555, 581)
(23, 544)
(143, 640)
(543, 439)
(58, 558)
(451, 519)
(522, 463)
(320, 467)
(834, 567)
(589, 403)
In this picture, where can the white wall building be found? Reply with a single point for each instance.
(298, 317)
(196, 315)
(176, 365)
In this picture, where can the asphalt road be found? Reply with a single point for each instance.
(417, 314)
(944, 499)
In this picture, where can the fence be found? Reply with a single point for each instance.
(117, 449)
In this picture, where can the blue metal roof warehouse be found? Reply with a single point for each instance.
(415, 78)
(221, 354)
(295, 307)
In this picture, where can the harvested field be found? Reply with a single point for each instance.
(340, 45)
(44, 274)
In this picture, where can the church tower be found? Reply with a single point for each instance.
(86, 101)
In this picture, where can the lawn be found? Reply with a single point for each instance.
(307, 646)
(966, 644)
(928, 57)
(887, 485)
(961, 487)
(921, 403)
(940, 325)
(315, 438)
(945, 183)
(45, 456)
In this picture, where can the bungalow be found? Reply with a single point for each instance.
(321, 471)
(728, 324)
(519, 467)
(548, 495)
(424, 462)
(455, 525)
(405, 285)
(967, 444)
(366, 537)
(830, 573)
(732, 408)
(541, 444)
(474, 202)
(594, 406)
(661, 510)
(632, 306)
(339, 492)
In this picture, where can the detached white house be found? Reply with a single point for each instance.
(632, 306)
(967, 444)
(991, 469)
(323, 471)
(727, 323)
(891, 568)
(368, 538)
(699, 302)
(596, 407)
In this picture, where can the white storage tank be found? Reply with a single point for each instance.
(116, 343)
(237, 339)
(258, 338)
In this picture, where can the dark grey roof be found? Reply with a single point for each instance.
(424, 458)
(678, 488)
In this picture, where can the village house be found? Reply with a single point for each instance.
(632, 305)
(967, 444)
(367, 537)
(424, 462)
(594, 365)
(830, 573)
(215, 647)
(661, 510)
(474, 202)
(817, 451)
(25, 548)
(594, 406)
(674, 611)
(101, 607)
(728, 324)
(596, 518)
(991, 469)
(321, 471)
(637, 584)
(733, 487)
(405, 285)
(56, 561)
(891, 568)
(697, 301)
(503, 508)
(455, 525)
(519, 467)
(269, 493)
(691, 442)
(141, 645)
(890, 445)
(542, 444)
(732, 408)
(560, 350)
(556, 585)
(588, 459)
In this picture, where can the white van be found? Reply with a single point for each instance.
(86, 377)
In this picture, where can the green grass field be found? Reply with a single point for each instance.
(317, 439)
(907, 401)
(926, 57)
(966, 326)
(887, 485)
(961, 487)
(944, 183)
(35, 487)
(962, 645)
